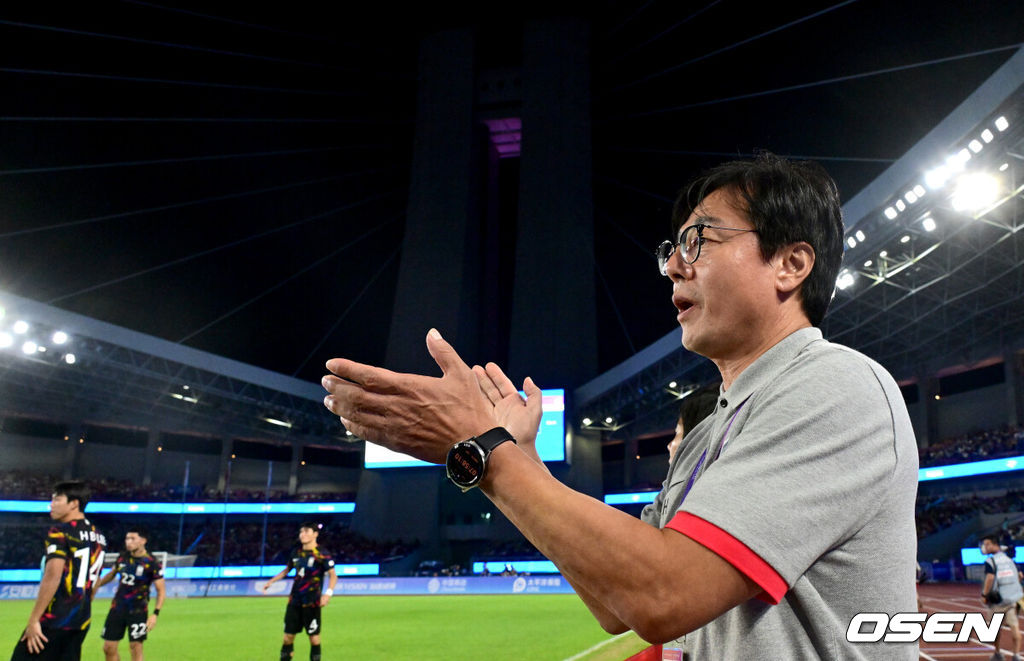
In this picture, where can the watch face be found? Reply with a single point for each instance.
(465, 464)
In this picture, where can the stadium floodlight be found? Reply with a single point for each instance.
(975, 191)
(60, 337)
(20, 327)
(69, 358)
(937, 177)
(905, 238)
(3, 312)
(279, 423)
(1002, 168)
(587, 422)
(928, 224)
(919, 191)
(1002, 124)
(29, 347)
(609, 420)
(852, 242)
(883, 254)
(860, 235)
(910, 196)
(6, 340)
(868, 264)
(901, 205)
(987, 136)
(975, 146)
(41, 349)
(348, 433)
(184, 398)
(891, 213)
(672, 384)
(845, 280)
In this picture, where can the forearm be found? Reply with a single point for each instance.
(47, 588)
(608, 621)
(332, 580)
(161, 593)
(672, 586)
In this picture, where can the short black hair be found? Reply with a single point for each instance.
(787, 202)
(139, 530)
(994, 538)
(73, 490)
(698, 405)
(312, 525)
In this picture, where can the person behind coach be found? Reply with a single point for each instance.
(800, 511)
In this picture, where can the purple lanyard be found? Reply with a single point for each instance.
(704, 455)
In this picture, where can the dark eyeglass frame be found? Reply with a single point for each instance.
(693, 238)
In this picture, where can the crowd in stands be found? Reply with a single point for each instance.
(941, 512)
(21, 545)
(978, 446)
(36, 486)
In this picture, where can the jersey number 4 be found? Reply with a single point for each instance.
(85, 571)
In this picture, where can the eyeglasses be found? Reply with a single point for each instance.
(691, 238)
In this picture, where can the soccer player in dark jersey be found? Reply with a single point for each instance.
(74, 556)
(139, 570)
(307, 596)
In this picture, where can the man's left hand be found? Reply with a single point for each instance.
(150, 623)
(324, 600)
(418, 415)
(34, 637)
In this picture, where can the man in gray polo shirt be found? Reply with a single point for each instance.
(788, 511)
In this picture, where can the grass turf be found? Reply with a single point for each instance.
(445, 627)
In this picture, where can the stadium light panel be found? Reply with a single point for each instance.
(905, 238)
(845, 280)
(891, 213)
(1003, 167)
(587, 421)
(937, 177)
(60, 337)
(672, 384)
(987, 136)
(901, 205)
(609, 420)
(41, 349)
(910, 196)
(279, 423)
(883, 254)
(852, 242)
(20, 327)
(919, 191)
(1002, 124)
(860, 235)
(975, 146)
(348, 433)
(29, 347)
(963, 156)
(868, 264)
(3, 312)
(6, 340)
(70, 359)
(928, 224)
(975, 191)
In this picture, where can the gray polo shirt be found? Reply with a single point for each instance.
(804, 479)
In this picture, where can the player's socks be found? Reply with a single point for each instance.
(314, 653)
(286, 652)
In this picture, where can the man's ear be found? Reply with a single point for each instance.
(794, 264)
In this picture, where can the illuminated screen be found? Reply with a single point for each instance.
(100, 507)
(972, 555)
(971, 468)
(550, 437)
(630, 498)
(528, 566)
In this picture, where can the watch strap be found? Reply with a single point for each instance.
(493, 438)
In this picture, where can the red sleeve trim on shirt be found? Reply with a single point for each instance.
(733, 551)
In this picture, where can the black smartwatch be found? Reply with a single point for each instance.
(467, 460)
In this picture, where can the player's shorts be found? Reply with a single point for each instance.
(119, 620)
(298, 618)
(63, 645)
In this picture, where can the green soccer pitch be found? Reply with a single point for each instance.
(514, 627)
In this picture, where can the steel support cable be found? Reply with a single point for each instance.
(281, 283)
(825, 81)
(187, 203)
(647, 250)
(348, 309)
(212, 120)
(737, 154)
(185, 159)
(223, 246)
(629, 18)
(169, 44)
(732, 46)
(186, 83)
(618, 314)
(665, 31)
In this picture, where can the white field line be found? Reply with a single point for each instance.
(591, 650)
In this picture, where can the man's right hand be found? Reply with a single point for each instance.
(34, 637)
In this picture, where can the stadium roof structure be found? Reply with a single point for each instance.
(63, 367)
(930, 277)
